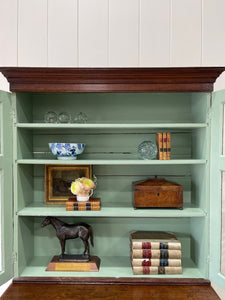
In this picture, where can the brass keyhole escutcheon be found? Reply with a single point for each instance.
(158, 194)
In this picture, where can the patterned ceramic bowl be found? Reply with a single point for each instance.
(66, 151)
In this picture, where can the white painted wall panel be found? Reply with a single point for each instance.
(154, 33)
(186, 33)
(62, 33)
(93, 33)
(8, 33)
(32, 33)
(220, 82)
(123, 33)
(4, 85)
(213, 33)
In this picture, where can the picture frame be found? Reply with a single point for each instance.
(58, 179)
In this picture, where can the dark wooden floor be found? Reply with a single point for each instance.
(34, 291)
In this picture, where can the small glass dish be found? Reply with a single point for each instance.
(51, 117)
(64, 117)
(80, 118)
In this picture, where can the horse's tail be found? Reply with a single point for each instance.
(91, 235)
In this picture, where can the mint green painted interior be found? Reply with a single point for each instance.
(117, 124)
(111, 238)
(114, 107)
(217, 167)
(6, 188)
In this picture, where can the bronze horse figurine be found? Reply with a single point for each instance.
(66, 231)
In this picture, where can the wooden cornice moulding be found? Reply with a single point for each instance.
(185, 79)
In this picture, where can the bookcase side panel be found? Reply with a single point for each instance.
(24, 107)
(200, 244)
(200, 107)
(24, 185)
(26, 236)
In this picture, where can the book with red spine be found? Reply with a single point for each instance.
(156, 262)
(164, 137)
(168, 141)
(146, 270)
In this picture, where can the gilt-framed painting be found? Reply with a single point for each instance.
(58, 179)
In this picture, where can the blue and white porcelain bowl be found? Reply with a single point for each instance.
(66, 151)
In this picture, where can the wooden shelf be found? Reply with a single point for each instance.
(116, 210)
(112, 162)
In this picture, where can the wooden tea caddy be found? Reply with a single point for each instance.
(157, 193)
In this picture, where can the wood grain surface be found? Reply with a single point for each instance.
(23, 291)
(198, 79)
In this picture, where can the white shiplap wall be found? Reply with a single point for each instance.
(112, 32)
(101, 33)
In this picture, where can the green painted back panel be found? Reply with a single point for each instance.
(115, 181)
(6, 187)
(115, 107)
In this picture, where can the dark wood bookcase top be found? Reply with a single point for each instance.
(183, 79)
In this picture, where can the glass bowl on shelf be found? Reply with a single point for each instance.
(147, 150)
(80, 118)
(51, 117)
(64, 117)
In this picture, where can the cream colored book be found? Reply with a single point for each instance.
(156, 262)
(156, 270)
(148, 253)
(154, 240)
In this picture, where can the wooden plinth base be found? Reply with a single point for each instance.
(92, 265)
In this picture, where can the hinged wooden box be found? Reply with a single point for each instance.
(157, 193)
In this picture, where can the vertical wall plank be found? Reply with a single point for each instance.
(62, 33)
(123, 32)
(93, 33)
(213, 32)
(186, 33)
(8, 33)
(155, 33)
(32, 33)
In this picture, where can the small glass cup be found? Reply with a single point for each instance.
(64, 117)
(147, 150)
(80, 118)
(51, 117)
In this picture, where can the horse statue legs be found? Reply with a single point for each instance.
(63, 245)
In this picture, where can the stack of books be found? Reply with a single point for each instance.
(155, 252)
(91, 204)
(163, 140)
